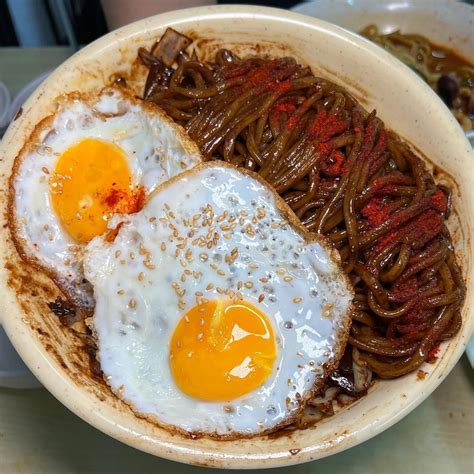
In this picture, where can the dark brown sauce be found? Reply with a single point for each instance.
(444, 60)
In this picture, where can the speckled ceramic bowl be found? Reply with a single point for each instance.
(403, 101)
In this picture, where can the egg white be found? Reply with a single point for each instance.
(156, 150)
(138, 306)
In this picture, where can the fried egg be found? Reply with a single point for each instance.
(96, 156)
(216, 312)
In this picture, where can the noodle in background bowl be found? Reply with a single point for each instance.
(407, 106)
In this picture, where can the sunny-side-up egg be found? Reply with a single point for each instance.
(216, 313)
(96, 156)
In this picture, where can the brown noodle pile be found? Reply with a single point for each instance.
(344, 175)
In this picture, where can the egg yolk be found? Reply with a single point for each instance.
(222, 350)
(90, 183)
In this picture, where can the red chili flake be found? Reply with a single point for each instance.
(433, 354)
(285, 107)
(279, 109)
(324, 126)
(376, 211)
(439, 201)
(123, 202)
(292, 122)
(113, 197)
(259, 76)
(333, 165)
(324, 148)
(281, 87)
(389, 239)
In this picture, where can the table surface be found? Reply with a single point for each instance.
(38, 434)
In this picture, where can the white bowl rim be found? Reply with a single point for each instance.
(79, 401)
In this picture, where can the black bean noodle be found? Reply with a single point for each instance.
(344, 175)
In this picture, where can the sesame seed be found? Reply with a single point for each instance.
(275, 225)
(210, 286)
(141, 276)
(181, 305)
(239, 295)
(227, 236)
(120, 292)
(203, 257)
(264, 279)
(254, 220)
(118, 253)
(122, 262)
(132, 304)
(241, 221)
(152, 219)
(199, 293)
(148, 265)
(209, 245)
(248, 284)
(239, 285)
(253, 266)
(220, 218)
(200, 336)
(220, 272)
(183, 278)
(287, 278)
(163, 219)
(167, 206)
(163, 246)
(188, 272)
(249, 230)
(281, 271)
(297, 300)
(261, 297)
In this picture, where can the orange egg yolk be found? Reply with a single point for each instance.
(90, 183)
(222, 350)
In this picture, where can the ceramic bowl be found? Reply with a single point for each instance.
(448, 23)
(402, 100)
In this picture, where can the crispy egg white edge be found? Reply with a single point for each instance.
(101, 264)
(168, 153)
